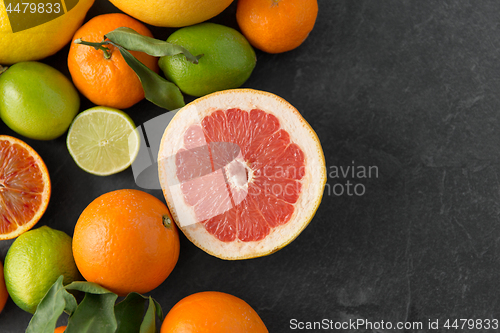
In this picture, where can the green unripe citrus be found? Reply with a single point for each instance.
(34, 262)
(37, 101)
(227, 62)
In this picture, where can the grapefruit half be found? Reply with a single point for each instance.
(24, 187)
(242, 172)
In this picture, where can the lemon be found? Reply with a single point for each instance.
(103, 140)
(227, 62)
(34, 262)
(37, 101)
(172, 13)
(41, 40)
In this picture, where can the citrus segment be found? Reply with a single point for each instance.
(245, 202)
(103, 141)
(24, 187)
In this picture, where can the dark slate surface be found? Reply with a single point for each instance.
(409, 87)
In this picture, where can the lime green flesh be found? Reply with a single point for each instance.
(227, 62)
(103, 141)
(34, 262)
(37, 101)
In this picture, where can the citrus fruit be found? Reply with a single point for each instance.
(172, 13)
(3, 289)
(103, 141)
(37, 101)
(126, 241)
(60, 329)
(242, 172)
(24, 187)
(212, 312)
(34, 262)
(44, 38)
(107, 82)
(276, 26)
(227, 62)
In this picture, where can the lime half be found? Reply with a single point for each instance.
(103, 141)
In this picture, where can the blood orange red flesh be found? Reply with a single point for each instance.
(242, 172)
(24, 187)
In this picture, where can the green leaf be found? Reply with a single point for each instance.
(71, 303)
(129, 313)
(94, 314)
(159, 91)
(148, 325)
(87, 287)
(50, 308)
(132, 40)
(159, 311)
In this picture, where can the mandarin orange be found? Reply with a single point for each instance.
(126, 241)
(60, 329)
(276, 26)
(107, 82)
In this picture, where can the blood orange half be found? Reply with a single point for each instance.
(242, 172)
(24, 187)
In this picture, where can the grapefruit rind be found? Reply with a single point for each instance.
(45, 195)
(301, 133)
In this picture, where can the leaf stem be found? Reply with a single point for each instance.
(97, 46)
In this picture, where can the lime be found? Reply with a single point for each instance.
(34, 262)
(103, 140)
(227, 62)
(37, 101)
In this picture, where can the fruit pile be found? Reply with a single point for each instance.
(241, 171)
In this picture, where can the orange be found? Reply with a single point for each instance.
(24, 187)
(107, 82)
(242, 172)
(125, 241)
(3, 289)
(60, 329)
(212, 312)
(276, 26)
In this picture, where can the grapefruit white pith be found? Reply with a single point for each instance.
(242, 172)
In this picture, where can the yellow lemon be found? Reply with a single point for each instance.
(172, 13)
(35, 30)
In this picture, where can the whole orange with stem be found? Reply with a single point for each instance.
(106, 79)
(212, 312)
(276, 26)
(126, 241)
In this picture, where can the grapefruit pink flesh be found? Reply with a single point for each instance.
(273, 167)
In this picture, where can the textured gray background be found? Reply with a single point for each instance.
(408, 86)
